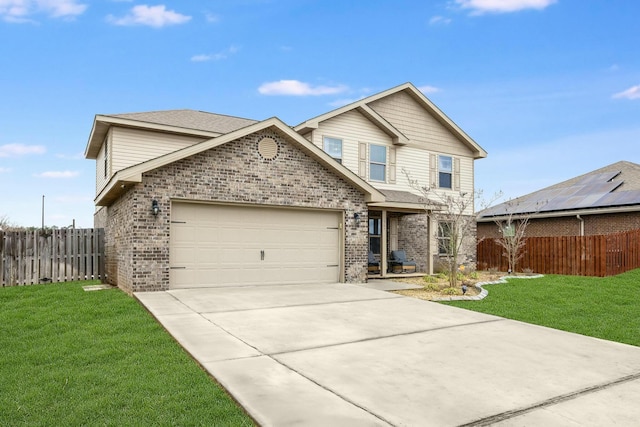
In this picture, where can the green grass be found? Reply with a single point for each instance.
(607, 308)
(70, 357)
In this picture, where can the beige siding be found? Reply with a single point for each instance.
(410, 118)
(132, 146)
(353, 128)
(101, 177)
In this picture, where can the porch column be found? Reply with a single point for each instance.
(432, 242)
(383, 244)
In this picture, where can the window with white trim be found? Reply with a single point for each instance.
(445, 172)
(377, 162)
(444, 238)
(333, 147)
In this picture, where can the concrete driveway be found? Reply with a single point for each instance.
(349, 355)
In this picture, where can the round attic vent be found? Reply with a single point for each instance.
(268, 148)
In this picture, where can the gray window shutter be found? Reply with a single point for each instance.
(433, 171)
(362, 160)
(456, 173)
(392, 165)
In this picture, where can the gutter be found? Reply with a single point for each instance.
(581, 224)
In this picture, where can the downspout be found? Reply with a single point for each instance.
(581, 225)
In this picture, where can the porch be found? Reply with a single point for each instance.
(400, 225)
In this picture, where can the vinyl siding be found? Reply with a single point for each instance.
(132, 146)
(422, 129)
(353, 128)
(101, 179)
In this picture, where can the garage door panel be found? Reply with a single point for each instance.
(220, 245)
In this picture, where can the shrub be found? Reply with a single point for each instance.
(451, 291)
(429, 279)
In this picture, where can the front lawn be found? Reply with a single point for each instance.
(607, 308)
(70, 357)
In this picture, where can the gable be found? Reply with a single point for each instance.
(420, 127)
(433, 119)
(123, 179)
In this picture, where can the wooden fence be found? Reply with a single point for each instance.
(604, 255)
(30, 257)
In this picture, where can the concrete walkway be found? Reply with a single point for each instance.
(346, 355)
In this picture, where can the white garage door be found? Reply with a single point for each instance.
(221, 245)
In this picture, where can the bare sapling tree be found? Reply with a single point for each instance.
(513, 228)
(453, 212)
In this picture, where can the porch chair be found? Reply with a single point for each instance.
(398, 263)
(374, 265)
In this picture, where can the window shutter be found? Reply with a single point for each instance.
(392, 165)
(456, 173)
(362, 160)
(433, 171)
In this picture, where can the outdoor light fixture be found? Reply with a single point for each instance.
(155, 209)
(356, 217)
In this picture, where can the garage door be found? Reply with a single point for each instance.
(221, 245)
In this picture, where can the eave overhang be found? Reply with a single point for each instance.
(123, 179)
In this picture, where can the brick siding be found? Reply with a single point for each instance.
(137, 243)
(570, 226)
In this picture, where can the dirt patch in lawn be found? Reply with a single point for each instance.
(438, 287)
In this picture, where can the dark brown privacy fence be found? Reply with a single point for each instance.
(604, 255)
(29, 257)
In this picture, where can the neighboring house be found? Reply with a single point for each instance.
(604, 201)
(189, 198)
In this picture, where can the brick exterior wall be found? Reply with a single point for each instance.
(467, 255)
(137, 243)
(413, 237)
(570, 226)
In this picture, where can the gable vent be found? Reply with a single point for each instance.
(268, 148)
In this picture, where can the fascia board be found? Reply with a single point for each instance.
(134, 173)
(560, 214)
(101, 124)
(397, 136)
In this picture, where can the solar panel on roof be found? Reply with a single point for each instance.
(598, 177)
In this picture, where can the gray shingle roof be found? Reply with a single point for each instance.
(190, 119)
(402, 197)
(614, 185)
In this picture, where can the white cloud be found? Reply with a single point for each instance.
(5, 170)
(215, 56)
(18, 11)
(503, 6)
(426, 89)
(632, 93)
(298, 88)
(15, 150)
(152, 16)
(57, 174)
(439, 20)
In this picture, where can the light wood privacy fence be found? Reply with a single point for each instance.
(30, 257)
(603, 255)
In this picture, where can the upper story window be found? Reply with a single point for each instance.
(333, 147)
(377, 162)
(445, 172)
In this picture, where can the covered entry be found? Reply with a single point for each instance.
(223, 245)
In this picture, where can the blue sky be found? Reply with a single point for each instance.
(550, 88)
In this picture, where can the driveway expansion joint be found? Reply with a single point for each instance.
(277, 307)
(551, 402)
(422, 331)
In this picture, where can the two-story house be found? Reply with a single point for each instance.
(189, 198)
